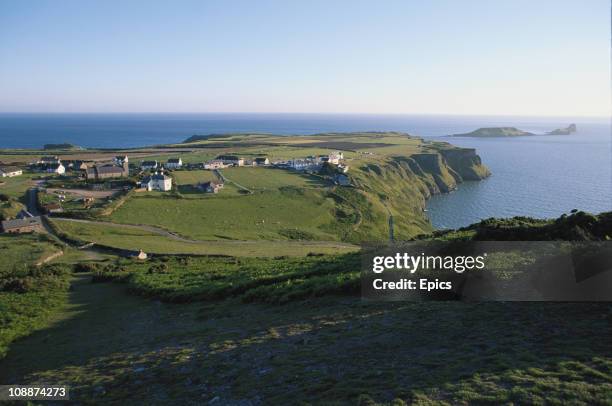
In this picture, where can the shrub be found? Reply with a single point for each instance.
(18, 285)
(159, 268)
(86, 267)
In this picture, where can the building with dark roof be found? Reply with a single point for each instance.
(148, 165)
(158, 181)
(261, 161)
(107, 171)
(10, 171)
(174, 163)
(231, 160)
(24, 225)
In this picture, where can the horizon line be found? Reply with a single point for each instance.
(312, 113)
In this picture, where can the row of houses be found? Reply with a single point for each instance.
(314, 163)
(172, 163)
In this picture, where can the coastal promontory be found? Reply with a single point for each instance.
(503, 132)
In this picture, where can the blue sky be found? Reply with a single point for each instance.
(515, 57)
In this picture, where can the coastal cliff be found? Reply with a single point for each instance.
(400, 186)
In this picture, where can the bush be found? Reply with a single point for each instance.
(86, 267)
(17, 285)
(159, 268)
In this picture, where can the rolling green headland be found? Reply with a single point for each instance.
(251, 296)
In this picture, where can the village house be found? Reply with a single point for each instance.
(335, 157)
(158, 181)
(121, 160)
(106, 171)
(10, 171)
(74, 165)
(260, 161)
(148, 165)
(231, 160)
(48, 160)
(24, 225)
(174, 163)
(51, 208)
(214, 164)
(211, 186)
(53, 168)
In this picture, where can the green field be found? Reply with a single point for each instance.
(17, 250)
(135, 239)
(16, 186)
(28, 295)
(193, 177)
(270, 178)
(258, 216)
(335, 349)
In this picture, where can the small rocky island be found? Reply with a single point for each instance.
(570, 129)
(498, 132)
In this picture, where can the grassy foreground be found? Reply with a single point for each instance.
(283, 330)
(29, 295)
(327, 350)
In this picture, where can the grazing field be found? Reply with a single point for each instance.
(117, 236)
(258, 216)
(16, 186)
(28, 295)
(193, 177)
(270, 178)
(16, 250)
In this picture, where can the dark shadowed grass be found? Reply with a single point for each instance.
(326, 350)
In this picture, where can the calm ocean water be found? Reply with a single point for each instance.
(542, 176)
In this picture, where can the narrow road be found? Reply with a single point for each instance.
(31, 201)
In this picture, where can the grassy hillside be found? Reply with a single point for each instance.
(578, 226)
(122, 237)
(250, 217)
(29, 295)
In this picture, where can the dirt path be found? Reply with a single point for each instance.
(98, 194)
(151, 229)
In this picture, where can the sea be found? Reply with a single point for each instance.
(539, 176)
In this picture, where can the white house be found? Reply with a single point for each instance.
(159, 181)
(10, 171)
(174, 163)
(148, 165)
(55, 168)
(335, 157)
(261, 161)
